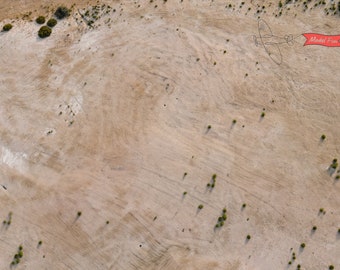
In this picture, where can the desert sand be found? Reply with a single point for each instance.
(126, 120)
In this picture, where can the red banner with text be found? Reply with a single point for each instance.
(323, 40)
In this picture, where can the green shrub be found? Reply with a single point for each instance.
(200, 206)
(40, 20)
(314, 228)
(323, 137)
(331, 267)
(303, 245)
(44, 31)
(263, 114)
(52, 22)
(7, 27)
(62, 12)
(79, 214)
(248, 237)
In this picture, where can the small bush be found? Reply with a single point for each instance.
(248, 237)
(234, 121)
(79, 214)
(323, 137)
(263, 114)
(7, 27)
(44, 31)
(40, 20)
(62, 12)
(52, 22)
(244, 205)
(331, 267)
(303, 245)
(200, 206)
(209, 127)
(314, 228)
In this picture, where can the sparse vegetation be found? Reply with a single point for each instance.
(334, 164)
(9, 219)
(62, 12)
(52, 22)
(323, 137)
(44, 31)
(331, 267)
(248, 237)
(263, 114)
(185, 193)
(40, 20)
(303, 245)
(212, 181)
(222, 218)
(208, 127)
(7, 27)
(234, 121)
(244, 205)
(314, 228)
(40, 243)
(79, 213)
(18, 256)
(200, 206)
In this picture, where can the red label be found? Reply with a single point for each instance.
(323, 40)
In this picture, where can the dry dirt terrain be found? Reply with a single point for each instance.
(118, 126)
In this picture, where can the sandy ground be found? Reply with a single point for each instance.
(111, 120)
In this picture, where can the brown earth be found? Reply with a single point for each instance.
(107, 119)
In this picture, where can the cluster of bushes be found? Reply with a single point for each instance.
(17, 256)
(7, 27)
(212, 183)
(46, 30)
(9, 219)
(334, 164)
(221, 219)
(293, 258)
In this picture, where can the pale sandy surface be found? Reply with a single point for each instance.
(136, 95)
